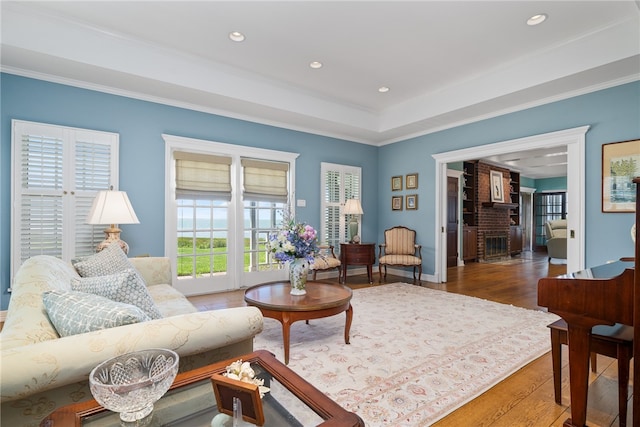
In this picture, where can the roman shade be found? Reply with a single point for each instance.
(202, 176)
(265, 180)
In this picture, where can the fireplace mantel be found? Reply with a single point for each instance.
(499, 205)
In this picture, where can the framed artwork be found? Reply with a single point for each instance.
(396, 183)
(412, 181)
(227, 389)
(497, 190)
(396, 203)
(411, 202)
(620, 164)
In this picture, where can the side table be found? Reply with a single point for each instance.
(357, 254)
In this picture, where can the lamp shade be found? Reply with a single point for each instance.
(112, 207)
(353, 207)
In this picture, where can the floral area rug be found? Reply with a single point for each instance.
(416, 354)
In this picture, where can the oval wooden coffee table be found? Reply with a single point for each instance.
(321, 300)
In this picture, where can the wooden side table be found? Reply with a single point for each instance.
(357, 254)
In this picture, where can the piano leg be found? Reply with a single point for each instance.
(579, 350)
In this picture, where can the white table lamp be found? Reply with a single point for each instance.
(112, 207)
(353, 208)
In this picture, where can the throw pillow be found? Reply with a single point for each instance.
(110, 260)
(74, 312)
(126, 286)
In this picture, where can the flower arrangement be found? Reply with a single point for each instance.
(293, 240)
(242, 371)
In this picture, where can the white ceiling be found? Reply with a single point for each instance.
(446, 63)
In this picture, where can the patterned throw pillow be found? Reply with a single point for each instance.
(126, 286)
(110, 260)
(74, 312)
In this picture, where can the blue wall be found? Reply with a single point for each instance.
(612, 114)
(140, 125)
(551, 184)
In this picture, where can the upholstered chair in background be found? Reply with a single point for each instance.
(325, 260)
(400, 249)
(556, 231)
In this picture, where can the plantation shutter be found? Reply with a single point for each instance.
(202, 176)
(339, 184)
(56, 172)
(93, 173)
(265, 180)
(41, 209)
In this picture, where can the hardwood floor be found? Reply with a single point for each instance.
(526, 397)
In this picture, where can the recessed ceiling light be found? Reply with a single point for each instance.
(383, 89)
(315, 64)
(236, 36)
(537, 19)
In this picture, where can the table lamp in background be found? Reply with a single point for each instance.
(353, 208)
(113, 208)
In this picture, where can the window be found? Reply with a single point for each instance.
(57, 172)
(222, 202)
(547, 207)
(339, 184)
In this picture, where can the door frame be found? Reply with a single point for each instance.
(573, 139)
(458, 175)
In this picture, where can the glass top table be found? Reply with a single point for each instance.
(191, 402)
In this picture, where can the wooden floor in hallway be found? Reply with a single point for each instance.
(526, 397)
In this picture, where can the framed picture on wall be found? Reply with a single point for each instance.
(620, 164)
(396, 183)
(396, 203)
(497, 190)
(412, 181)
(411, 202)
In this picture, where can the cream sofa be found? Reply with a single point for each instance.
(41, 371)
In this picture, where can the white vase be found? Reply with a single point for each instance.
(298, 272)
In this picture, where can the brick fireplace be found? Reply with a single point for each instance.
(493, 219)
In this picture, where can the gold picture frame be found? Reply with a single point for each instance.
(396, 203)
(412, 181)
(620, 164)
(396, 183)
(225, 389)
(497, 187)
(411, 202)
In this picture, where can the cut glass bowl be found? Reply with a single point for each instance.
(131, 383)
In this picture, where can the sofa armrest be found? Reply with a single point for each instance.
(50, 364)
(154, 270)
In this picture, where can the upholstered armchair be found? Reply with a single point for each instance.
(325, 260)
(556, 232)
(400, 249)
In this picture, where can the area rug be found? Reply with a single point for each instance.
(416, 354)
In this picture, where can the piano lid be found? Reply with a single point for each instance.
(605, 271)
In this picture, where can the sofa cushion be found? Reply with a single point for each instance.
(110, 260)
(126, 286)
(73, 312)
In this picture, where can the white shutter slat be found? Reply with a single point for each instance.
(41, 226)
(41, 162)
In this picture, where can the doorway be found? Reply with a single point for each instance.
(573, 139)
